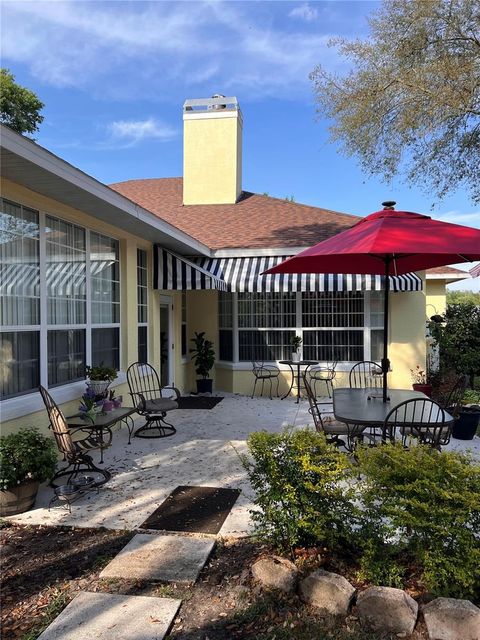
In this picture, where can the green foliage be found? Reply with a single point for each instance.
(203, 354)
(408, 101)
(296, 342)
(24, 456)
(300, 494)
(19, 107)
(471, 396)
(458, 338)
(463, 297)
(101, 373)
(424, 506)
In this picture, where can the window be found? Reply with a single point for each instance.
(344, 326)
(142, 305)
(71, 314)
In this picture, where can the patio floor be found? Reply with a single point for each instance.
(202, 452)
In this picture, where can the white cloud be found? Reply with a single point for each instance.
(304, 12)
(121, 50)
(130, 132)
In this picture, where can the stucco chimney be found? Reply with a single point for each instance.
(212, 150)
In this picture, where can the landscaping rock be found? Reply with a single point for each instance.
(329, 592)
(275, 573)
(451, 619)
(387, 610)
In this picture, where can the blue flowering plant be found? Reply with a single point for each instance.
(88, 404)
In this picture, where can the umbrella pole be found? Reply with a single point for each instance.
(385, 360)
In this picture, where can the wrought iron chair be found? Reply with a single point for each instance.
(323, 374)
(366, 374)
(151, 400)
(265, 372)
(332, 431)
(421, 419)
(75, 449)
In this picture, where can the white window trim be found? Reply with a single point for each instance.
(15, 407)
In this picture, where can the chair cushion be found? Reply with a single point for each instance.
(332, 428)
(159, 405)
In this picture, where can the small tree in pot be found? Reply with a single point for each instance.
(204, 359)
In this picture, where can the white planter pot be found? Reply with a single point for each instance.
(295, 356)
(99, 387)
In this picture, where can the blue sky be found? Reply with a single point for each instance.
(114, 75)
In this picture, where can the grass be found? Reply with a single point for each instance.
(59, 601)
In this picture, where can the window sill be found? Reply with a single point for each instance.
(25, 405)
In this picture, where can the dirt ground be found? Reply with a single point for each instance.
(44, 567)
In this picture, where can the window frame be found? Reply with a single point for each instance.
(11, 404)
(142, 324)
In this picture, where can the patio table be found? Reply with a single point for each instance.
(357, 406)
(105, 422)
(297, 375)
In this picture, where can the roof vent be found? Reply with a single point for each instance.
(389, 205)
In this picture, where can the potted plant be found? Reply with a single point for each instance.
(468, 417)
(296, 343)
(26, 459)
(420, 381)
(99, 378)
(204, 357)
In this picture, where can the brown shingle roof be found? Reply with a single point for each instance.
(447, 271)
(256, 221)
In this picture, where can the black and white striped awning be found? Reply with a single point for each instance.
(243, 274)
(175, 273)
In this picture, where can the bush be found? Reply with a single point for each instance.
(302, 493)
(424, 508)
(24, 456)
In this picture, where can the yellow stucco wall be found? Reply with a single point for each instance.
(436, 297)
(212, 159)
(128, 274)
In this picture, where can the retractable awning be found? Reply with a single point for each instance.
(172, 272)
(243, 275)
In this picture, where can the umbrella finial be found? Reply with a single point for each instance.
(389, 204)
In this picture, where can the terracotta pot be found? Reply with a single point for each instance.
(424, 388)
(18, 499)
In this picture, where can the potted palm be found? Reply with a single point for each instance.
(204, 359)
(26, 459)
(99, 378)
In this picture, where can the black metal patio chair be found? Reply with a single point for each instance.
(366, 374)
(265, 372)
(151, 400)
(420, 419)
(75, 448)
(323, 374)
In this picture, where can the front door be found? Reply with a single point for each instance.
(166, 341)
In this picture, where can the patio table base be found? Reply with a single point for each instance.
(155, 427)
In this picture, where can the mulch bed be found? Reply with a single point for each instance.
(193, 510)
(44, 567)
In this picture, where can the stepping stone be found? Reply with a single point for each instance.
(163, 558)
(103, 616)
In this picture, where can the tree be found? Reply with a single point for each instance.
(410, 102)
(458, 337)
(19, 107)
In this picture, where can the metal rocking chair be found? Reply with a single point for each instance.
(150, 401)
(75, 450)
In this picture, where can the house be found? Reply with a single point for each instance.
(92, 273)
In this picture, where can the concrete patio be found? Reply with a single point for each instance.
(202, 452)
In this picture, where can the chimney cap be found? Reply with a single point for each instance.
(218, 101)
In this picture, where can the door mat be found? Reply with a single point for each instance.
(198, 402)
(193, 510)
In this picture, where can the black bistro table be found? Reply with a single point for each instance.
(295, 366)
(365, 407)
(104, 422)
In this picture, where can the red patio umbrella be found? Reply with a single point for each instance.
(388, 242)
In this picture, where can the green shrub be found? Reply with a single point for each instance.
(302, 491)
(424, 507)
(26, 455)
